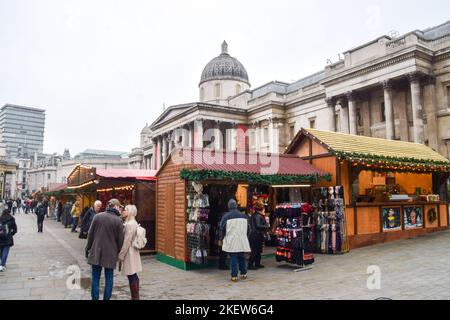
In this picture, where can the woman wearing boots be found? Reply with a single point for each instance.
(129, 256)
(258, 227)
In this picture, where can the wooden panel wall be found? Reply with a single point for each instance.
(350, 220)
(327, 164)
(171, 212)
(345, 181)
(368, 220)
(318, 149)
(444, 215)
(303, 149)
(409, 182)
(170, 219)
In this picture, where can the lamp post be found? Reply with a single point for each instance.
(2, 183)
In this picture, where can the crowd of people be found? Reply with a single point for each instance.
(113, 236)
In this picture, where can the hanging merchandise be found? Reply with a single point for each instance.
(329, 220)
(294, 233)
(198, 230)
(257, 198)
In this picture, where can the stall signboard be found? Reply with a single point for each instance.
(413, 217)
(391, 218)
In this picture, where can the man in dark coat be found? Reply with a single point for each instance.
(40, 214)
(8, 229)
(87, 217)
(258, 227)
(105, 240)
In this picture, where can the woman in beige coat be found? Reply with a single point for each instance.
(129, 256)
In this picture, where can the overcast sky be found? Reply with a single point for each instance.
(102, 69)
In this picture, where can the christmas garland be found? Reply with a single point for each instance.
(394, 163)
(254, 178)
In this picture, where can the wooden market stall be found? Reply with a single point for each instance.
(393, 189)
(129, 186)
(189, 174)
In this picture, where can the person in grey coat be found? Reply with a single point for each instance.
(105, 240)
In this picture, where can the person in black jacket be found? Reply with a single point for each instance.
(40, 213)
(87, 217)
(8, 229)
(258, 227)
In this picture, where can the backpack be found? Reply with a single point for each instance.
(4, 231)
(140, 239)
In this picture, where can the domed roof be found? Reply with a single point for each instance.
(224, 67)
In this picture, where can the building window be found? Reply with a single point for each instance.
(382, 112)
(312, 123)
(238, 89)
(49, 176)
(217, 90)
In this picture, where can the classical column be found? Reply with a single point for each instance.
(388, 110)
(198, 133)
(218, 136)
(160, 151)
(185, 137)
(164, 148)
(257, 133)
(190, 142)
(352, 113)
(432, 132)
(331, 102)
(414, 80)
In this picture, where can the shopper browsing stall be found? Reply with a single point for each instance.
(234, 227)
(258, 228)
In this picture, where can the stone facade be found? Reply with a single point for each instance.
(392, 88)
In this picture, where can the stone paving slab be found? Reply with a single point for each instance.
(412, 269)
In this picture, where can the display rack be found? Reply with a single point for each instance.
(293, 234)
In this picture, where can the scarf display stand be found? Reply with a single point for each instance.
(294, 235)
(198, 230)
(329, 225)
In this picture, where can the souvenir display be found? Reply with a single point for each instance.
(329, 220)
(198, 230)
(294, 233)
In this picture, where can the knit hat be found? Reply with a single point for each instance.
(232, 204)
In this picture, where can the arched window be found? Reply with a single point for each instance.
(238, 89)
(217, 90)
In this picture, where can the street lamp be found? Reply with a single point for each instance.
(2, 184)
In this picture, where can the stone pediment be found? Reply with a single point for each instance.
(170, 113)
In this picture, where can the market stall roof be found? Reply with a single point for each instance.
(127, 174)
(54, 187)
(368, 149)
(204, 164)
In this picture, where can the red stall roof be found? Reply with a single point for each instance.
(127, 174)
(258, 163)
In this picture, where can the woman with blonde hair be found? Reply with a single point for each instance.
(129, 256)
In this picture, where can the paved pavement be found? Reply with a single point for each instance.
(411, 269)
